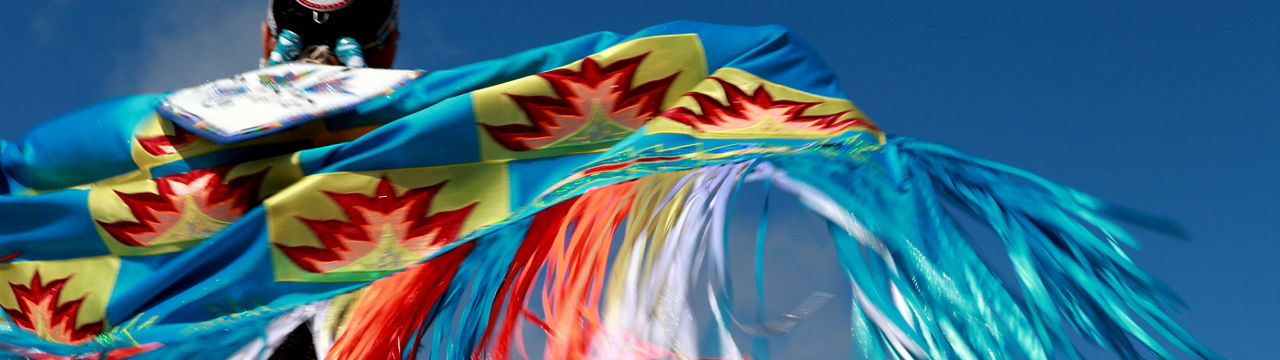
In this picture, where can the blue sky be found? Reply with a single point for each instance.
(1167, 108)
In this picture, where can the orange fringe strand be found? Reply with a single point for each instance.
(392, 309)
(573, 279)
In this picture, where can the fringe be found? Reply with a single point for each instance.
(918, 288)
(392, 309)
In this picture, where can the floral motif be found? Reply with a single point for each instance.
(166, 144)
(382, 221)
(186, 206)
(591, 105)
(759, 112)
(40, 311)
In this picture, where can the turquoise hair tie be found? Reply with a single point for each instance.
(348, 51)
(288, 44)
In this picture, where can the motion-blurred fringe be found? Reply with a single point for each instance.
(926, 293)
(919, 288)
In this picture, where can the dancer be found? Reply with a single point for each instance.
(570, 201)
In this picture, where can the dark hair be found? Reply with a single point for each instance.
(369, 22)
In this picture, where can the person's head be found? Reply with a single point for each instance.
(320, 23)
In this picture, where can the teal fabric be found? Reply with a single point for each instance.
(80, 147)
(207, 301)
(59, 218)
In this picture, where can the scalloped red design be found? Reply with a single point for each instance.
(592, 91)
(406, 215)
(39, 311)
(743, 110)
(157, 213)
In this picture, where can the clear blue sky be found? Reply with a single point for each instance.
(1166, 107)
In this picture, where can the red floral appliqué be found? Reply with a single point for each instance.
(166, 144)
(743, 111)
(593, 104)
(403, 218)
(203, 190)
(40, 311)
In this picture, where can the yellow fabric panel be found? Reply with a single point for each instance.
(761, 120)
(661, 57)
(199, 217)
(169, 143)
(89, 280)
(478, 191)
